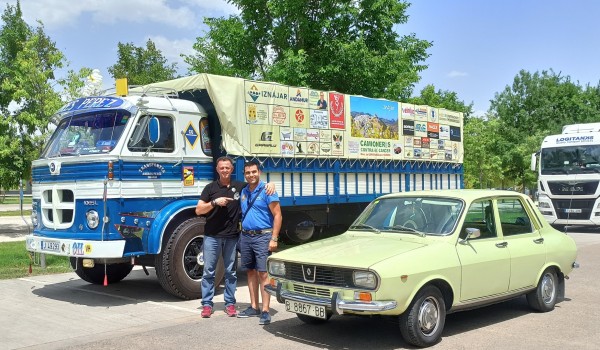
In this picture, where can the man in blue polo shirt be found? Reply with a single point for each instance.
(261, 222)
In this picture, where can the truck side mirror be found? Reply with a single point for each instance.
(533, 161)
(154, 130)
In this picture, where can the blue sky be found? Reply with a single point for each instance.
(478, 46)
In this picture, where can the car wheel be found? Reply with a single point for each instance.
(95, 275)
(543, 298)
(423, 322)
(313, 320)
(180, 264)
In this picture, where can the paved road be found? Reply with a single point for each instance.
(63, 312)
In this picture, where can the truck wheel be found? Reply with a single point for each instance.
(95, 275)
(299, 228)
(180, 264)
(544, 297)
(423, 322)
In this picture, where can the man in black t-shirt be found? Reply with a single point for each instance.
(219, 201)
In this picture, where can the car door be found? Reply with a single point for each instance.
(485, 261)
(524, 242)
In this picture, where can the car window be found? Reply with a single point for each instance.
(140, 140)
(513, 217)
(480, 215)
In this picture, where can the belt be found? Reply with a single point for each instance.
(257, 232)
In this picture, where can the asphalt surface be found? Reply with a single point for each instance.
(63, 312)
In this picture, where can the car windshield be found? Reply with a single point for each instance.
(570, 160)
(412, 215)
(89, 133)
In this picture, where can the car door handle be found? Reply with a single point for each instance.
(502, 244)
(538, 241)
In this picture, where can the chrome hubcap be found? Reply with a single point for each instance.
(429, 316)
(548, 290)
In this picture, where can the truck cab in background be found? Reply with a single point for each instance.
(568, 166)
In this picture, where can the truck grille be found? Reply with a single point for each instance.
(58, 208)
(573, 188)
(585, 205)
(319, 275)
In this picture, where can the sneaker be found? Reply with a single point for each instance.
(265, 318)
(230, 310)
(249, 312)
(206, 311)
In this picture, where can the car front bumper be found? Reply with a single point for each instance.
(335, 304)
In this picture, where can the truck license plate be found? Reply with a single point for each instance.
(50, 246)
(573, 211)
(305, 309)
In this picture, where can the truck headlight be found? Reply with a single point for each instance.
(544, 205)
(34, 218)
(276, 268)
(92, 218)
(364, 279)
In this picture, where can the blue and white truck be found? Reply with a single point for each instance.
(118, 181)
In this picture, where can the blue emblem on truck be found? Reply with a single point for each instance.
(191, 135)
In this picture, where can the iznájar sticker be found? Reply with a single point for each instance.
(292, 121)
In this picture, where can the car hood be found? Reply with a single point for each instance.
(352, 249)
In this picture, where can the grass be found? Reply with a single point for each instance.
(26, 213)
(15, 260)
(15, 200)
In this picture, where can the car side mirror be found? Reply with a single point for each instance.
(471, 233)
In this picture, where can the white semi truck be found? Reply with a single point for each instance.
(118, 181)
(568, 176)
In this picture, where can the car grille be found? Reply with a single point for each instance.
(320, 292)
(585, 205)
(573, 188)
(58, 208)
(319, 275)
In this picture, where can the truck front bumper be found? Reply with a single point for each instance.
(335, 304)
(75, 248)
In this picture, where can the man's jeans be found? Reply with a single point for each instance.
(213, 247)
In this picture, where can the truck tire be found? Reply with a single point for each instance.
(180, 264)
(95, 275)
(299, 227)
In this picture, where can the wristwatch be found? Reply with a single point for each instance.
(276, 239)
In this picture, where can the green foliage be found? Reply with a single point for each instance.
(140, 65)
(442, 99)
(28, 61)
(347, 46)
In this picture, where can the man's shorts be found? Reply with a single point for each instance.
(254, 251)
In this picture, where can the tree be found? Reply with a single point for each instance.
(343, 45)
(442, 99)
(140, 65)
(28, 60)
(534, 106)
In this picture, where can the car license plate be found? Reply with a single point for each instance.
(573, 211)
(305, 309)
(50, 246)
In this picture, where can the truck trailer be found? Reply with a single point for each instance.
(119, 179)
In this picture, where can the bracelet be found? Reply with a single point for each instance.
(213, 203)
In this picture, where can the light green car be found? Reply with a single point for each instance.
(422, 255)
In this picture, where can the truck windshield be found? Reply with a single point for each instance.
(89, 133)
(570, 160)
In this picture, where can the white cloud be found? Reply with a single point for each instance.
(58, 13)
(457, 74)
(172, 49)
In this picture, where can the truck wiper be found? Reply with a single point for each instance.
(363, 226)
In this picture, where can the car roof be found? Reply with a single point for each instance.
(466, 194)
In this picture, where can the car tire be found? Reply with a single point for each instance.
(95, 275)
(313, 320)
(179, 266)
(545, 295)
(423, 322)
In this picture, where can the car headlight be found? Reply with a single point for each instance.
(365, 279)
(276, 268)
(92, 218)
